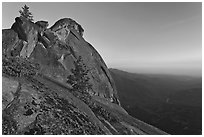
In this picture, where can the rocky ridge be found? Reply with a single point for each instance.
(37, 99)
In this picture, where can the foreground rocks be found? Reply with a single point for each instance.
(36, 62)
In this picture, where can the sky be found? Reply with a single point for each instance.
(135, 37)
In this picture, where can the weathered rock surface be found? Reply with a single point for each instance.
(42, 24)
(58, 47)
(9, 90)
(36, 96)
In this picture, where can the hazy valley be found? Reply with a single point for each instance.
(171, 103)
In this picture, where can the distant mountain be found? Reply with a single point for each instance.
(171, 103)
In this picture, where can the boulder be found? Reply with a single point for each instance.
(27, 31)
(42, 24)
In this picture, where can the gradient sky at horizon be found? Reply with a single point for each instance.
(135, 37)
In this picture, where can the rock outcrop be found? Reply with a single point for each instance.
(58, 47)
(37, 98)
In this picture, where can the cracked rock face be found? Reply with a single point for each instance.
(36, 98)
(56, 48)
(68, 24)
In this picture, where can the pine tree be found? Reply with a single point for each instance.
(79, 78)
(26, 13)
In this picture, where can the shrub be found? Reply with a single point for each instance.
(79, 78)
(26, 13)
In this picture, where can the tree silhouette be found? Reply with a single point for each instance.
(79, 78)
(26, 13)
